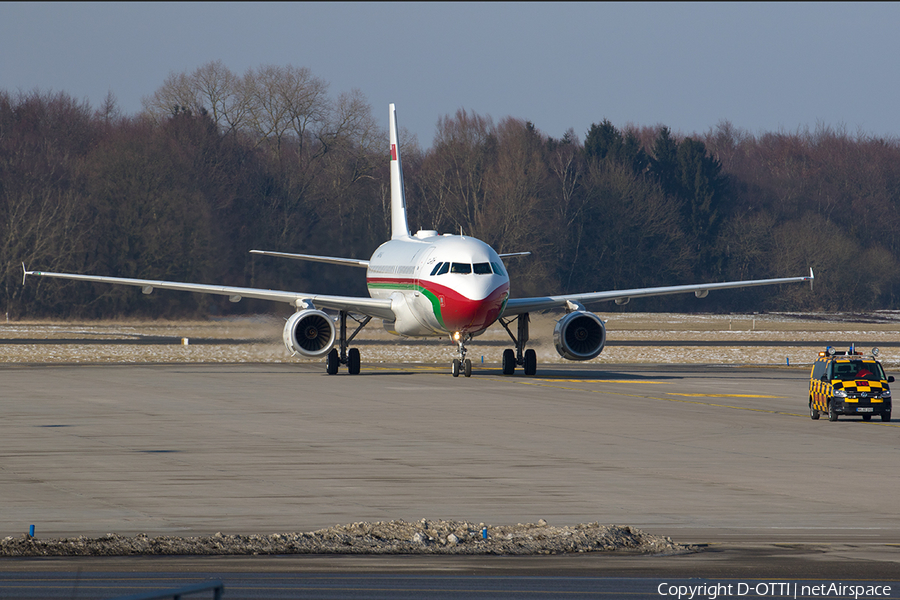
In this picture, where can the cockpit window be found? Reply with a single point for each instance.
(485, 268)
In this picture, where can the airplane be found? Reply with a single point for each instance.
(428, 284)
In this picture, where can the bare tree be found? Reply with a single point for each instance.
(350, 121)
(223, 95)
(285, 101)
(566, 164)
(513, 214)
(43, 138)
(177, 93)
(457, 168)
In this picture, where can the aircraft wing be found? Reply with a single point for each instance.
(515, 306)
(373, 307)
(350, 262)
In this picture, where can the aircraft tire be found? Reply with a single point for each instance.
(467, 368)
(530, 362)
(509, 362)
(353, 361)
(332, 362)
(454, 367)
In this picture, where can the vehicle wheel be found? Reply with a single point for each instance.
(530, 362)
(867, 417)
(353, 361)
(454, 367)
(332, 362)
(467, 368)
(832, 413)
(886, 417)
(509, 362)
(813, 413)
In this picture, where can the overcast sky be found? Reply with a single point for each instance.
(764, 67)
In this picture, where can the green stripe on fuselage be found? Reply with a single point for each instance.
(401, 287)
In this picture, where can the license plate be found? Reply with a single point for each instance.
(864, 409)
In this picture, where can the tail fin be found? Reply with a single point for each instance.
(399, 226)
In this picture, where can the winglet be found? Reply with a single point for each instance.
(811, 279)
(399, 226)
(24, 273)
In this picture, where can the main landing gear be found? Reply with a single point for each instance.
(349, 357)
(527, 359)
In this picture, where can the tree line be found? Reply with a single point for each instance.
(217, 164)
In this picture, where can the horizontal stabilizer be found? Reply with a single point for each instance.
(350, 262)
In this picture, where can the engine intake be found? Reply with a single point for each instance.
(309, 333)
(580, 335)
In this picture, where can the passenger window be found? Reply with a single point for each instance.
(482, 268)
(462, 268)
(444, 269)
(436, 268)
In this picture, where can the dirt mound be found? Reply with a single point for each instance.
(383, 537)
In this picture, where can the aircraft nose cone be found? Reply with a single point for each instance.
(467, 314)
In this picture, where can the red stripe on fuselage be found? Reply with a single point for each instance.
(457, 312)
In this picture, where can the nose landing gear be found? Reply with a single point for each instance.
(461, 364)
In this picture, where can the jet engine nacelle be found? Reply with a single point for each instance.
(580, 335)
(309, 333)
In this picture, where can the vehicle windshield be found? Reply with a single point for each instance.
(858, 369)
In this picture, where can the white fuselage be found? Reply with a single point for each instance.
(438, 284)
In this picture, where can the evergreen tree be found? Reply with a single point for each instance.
(606, 143)
(702, 190)
(602, 140)
(664, 161)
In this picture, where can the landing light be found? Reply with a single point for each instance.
(456, 336)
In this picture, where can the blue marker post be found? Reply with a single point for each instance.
(31, 531)
(484, 533)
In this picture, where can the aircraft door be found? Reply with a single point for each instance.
(424, 265)
(424, 301)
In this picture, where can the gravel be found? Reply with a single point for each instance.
(383, 537)
(257, 339)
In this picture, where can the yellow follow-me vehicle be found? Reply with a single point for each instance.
(848, 383)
